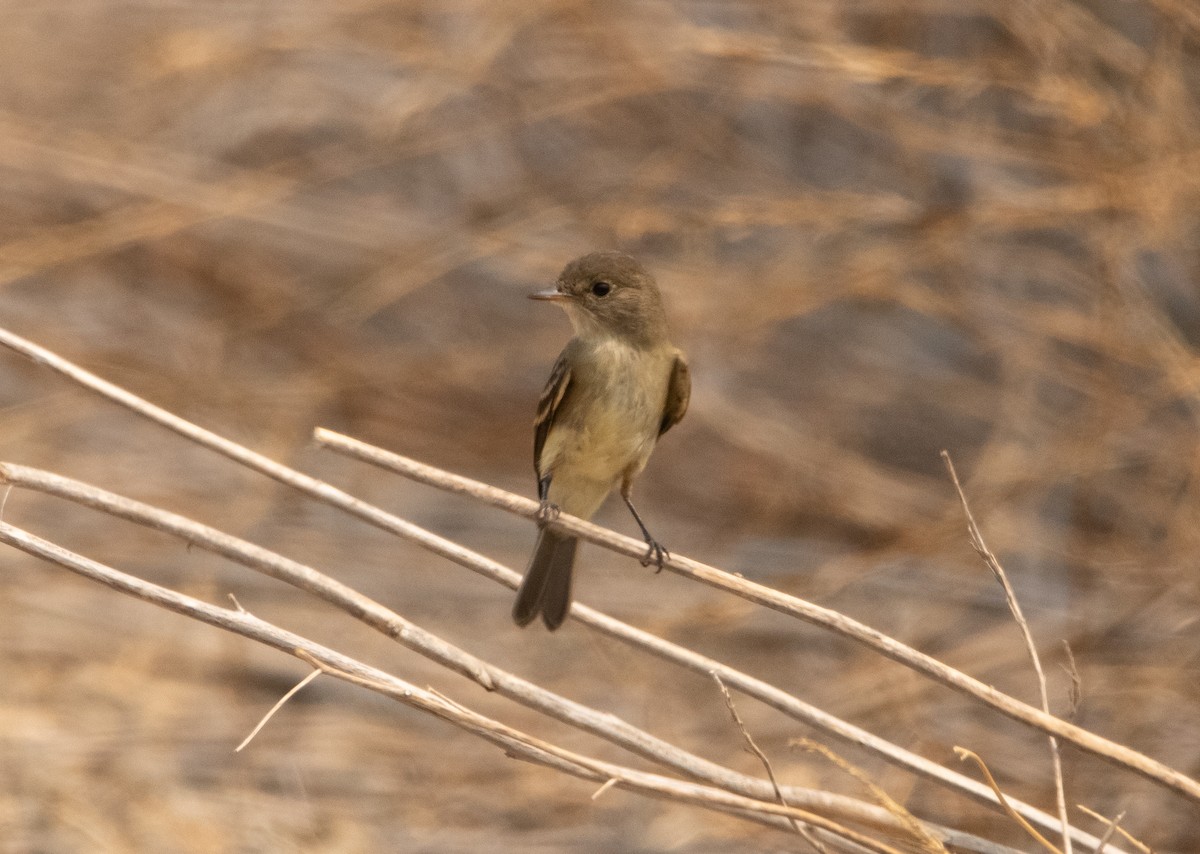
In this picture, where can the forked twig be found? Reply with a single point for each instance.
(762, 757)
(1010, 596)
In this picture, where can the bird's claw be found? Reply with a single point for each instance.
(547, 512)
(655, 554)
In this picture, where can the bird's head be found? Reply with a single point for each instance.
(609, 293)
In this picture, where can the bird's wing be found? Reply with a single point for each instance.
(549, 404)
(679, 391)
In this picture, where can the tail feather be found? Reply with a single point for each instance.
(546, 588)
(556, 600)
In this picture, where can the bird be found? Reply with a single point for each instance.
(618, 385)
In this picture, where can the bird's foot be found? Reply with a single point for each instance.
(655, 554)
(547, 512)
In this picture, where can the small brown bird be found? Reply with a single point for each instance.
(617, 386)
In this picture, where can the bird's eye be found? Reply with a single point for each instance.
(601, 289)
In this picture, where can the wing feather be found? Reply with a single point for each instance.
(549, 405)
(679, 391)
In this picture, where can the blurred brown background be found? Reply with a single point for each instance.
(882, 229)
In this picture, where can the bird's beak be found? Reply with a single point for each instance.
(551, 294)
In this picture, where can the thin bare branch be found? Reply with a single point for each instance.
(1010, 596)
(965, 754)
(762, 757)
(911, 823)
(596, 795)
(465, 557)
(514, 742)
(414, 637)
(275, 708)
(926, 665)
(1108, 834)
(1136, 843)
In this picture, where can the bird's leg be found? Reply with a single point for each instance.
(547, 512)
(655, 553)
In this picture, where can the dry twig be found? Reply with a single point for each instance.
(515, 743)
(906, 818)
(465, 557)
(1113, 826)
(1114, 823)
(375, 615)
(791, 605)
(965, 754)
(762, 757)
(295, 689)
(1014, 606)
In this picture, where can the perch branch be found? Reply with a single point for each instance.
(322, 491)
(375, 615)
(928, 666)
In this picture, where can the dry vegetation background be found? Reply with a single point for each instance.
(882, 229)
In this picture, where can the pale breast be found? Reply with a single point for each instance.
(611, 423)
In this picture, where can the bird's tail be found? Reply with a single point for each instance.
(547, 584)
